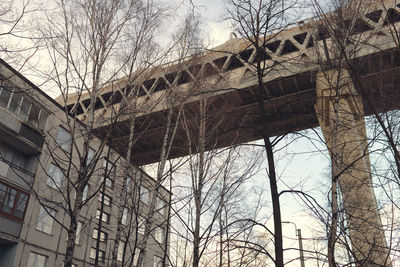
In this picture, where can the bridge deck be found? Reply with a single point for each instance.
(290, 109)
(228, 79)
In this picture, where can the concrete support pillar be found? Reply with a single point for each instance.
(341, 116)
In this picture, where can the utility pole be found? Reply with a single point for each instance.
(298, 234)
(300, 247)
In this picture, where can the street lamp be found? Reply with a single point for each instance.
(298, 234)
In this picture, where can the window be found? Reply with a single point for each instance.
(15, 102)
(103, 235)
(9, 200)
(109, 166)
(107, 199)
(141, 225)
(55, 176)
(90, 156)
(64, 139)
(24, 109)
(20, 206)
(124, 216)
(5, 96)
(13, 202)
(36, 260)
(93, 254)
(128, 183)
(84, 193)
(43, 119)
(159, 235)
(136, 257)
(109, 183)
(18, 159)
(78, 233)
(160, 205)
(45, 220)
(157, 261)
(13, 157)
(120, 254)
(144, 195)
(105, 218)
(33, 117)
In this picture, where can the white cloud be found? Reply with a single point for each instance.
(218, 32)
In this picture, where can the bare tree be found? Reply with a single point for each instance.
(90, 44)
(14, 27)
(213, 183)
(258, 23)
(18, 43)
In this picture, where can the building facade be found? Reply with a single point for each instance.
(39, 158)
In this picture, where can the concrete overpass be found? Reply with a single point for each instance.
(299, 96)
(225, 76)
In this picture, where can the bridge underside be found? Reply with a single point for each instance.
(233, 117)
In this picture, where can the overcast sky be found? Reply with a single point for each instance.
(211, 13)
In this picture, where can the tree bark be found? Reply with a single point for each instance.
(199, 186)
(275, 204)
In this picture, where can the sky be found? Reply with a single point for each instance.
(215, 30)
(213, 14)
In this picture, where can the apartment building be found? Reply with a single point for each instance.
(37, 151)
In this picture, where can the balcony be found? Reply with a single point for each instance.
(13, 203)
(21, 121)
